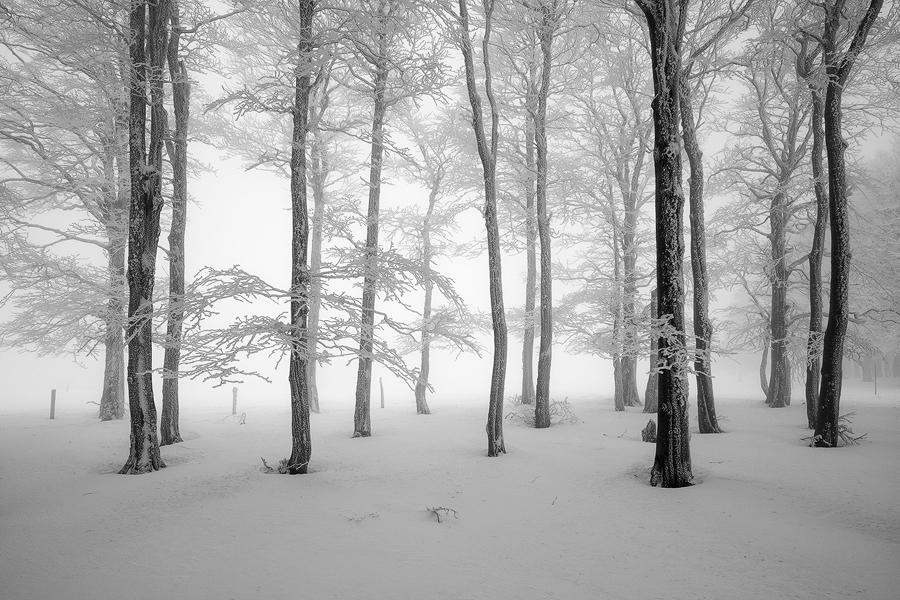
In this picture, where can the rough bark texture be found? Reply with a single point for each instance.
(549, 20)
(672, 464)
(169, 432)
(838, 65)
(112, 400)
(362, 423)
(706, 407)
(301, 438)
(148, 25)
(487, 152)
(814, 339)
(780, 374)
(651, 392)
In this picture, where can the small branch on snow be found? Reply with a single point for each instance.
(437, 510)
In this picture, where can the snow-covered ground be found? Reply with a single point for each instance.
(567, 513)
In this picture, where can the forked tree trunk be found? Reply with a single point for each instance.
(362, 421)
(814, 339)
(838, 65)
(487, 152)
(651, 392)
(549, 21)
(148, 25)
(672, 464)
(301, 438)
(706, 407)
(169, 432)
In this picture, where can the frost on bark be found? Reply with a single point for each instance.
(780, 374)
(651, 392)
(301, 439)
(548, 24)
(148, 24)
(672, 464)
(838, 64)
(487, 152)
(169, 432)
(112, 400)
(805, 59)
(362, 423)
(427, 256)
(530, 243)
(706, 407)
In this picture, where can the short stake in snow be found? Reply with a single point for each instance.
(234, 400)
(52, 404)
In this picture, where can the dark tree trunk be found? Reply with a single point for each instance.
(706, 407)
(362, 423)
(779, 372)
(545, 348)
(814, 340)
(651, 393)
(169, 432)
(530, 245)
(427, 256)
(301, 438)
(672, 464)
(148, 25)
(487, 152)
(838, 65)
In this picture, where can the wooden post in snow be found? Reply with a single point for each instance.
(381, 385)
(52, 404)
(234, 400)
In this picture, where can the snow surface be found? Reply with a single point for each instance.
(567, 513)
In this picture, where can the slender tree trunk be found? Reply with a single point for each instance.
(362, 423)
(487, 152)
(763, 366)
(706, 407)
(301, 438)
(672, 464)
(779, 373)
(425, 363)
(618, 392)
(814, 339)
(148, 25)
(651, 393)
(630, 396)
(319, 174)
(545, 348)
(530, 245)
(169, 432)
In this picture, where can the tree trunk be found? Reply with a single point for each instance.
(814, 340)
(672, 464)
(318, 177)
(618, 392)
(112, 401)
(545, 347)
(706, 407)
(488, 155)
(143, 230)
(169, 432)
(838, 65)
(301, 438)
(779, 373)
(651, 393)
(530, 245)
(425, 364)
(763, 366)
(362, 424)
